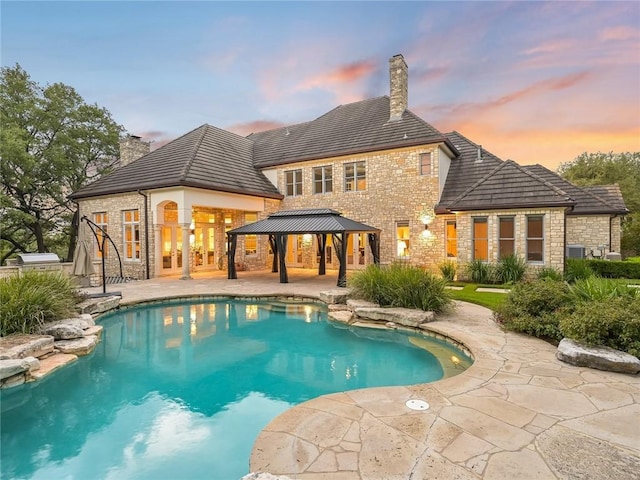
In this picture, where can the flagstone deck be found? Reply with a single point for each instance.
(517, 413)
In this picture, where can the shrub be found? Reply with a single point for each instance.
(480, 272)
(576, 269)
(510, 269)
(531, 307)
(613, 322)
(400, 285)
(29, 300)
(614, 269)
(596, 289)
(549, 273)
(448, 270)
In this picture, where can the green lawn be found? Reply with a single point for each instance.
(486, 299)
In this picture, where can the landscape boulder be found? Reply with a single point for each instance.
(600, 358)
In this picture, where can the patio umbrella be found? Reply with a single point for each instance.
(82, 262)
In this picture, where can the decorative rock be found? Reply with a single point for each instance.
(95, 330)
(52, 363)
(336, 307)
(11, 367)
(13, 381)
(79, 346)
(342, 316)
(601, 358)
(403, 316)
(21, 346)
(62, 330)
(99, 305)
(335, 296)
(354, 303)
(390, 325)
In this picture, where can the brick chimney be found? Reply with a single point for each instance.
(132, 148)
(399, 93)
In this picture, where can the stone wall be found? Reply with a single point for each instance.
(593, 232)
(395, 192)
(553, 225)
(114, 206)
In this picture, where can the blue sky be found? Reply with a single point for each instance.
(537, 82)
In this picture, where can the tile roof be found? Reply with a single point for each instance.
(510, 186)
(589, 200)
(465, 170)
(207, 157)
(303, 221)
(353, 128)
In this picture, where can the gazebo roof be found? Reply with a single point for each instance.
(320, 220)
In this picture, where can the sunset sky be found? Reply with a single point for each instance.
(536, 82)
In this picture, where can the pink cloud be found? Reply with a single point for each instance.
(344, 74)
(156, 137)
(556, 45)
(245, 129)
(622, 32)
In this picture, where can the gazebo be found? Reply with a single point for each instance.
(321, 222)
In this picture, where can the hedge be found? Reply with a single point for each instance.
(614, 269)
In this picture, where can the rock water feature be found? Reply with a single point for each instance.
(25, 358)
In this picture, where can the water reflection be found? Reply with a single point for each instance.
(181, 391)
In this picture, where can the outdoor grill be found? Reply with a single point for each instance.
(39, 261)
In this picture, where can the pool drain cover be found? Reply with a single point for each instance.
(417, 404)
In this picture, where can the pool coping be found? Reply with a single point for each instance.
(517, 412)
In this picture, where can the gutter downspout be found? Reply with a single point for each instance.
(146, 232)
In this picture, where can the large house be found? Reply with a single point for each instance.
(431, 196)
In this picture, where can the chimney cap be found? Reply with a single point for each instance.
(135, 137)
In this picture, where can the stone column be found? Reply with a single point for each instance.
(186, 247)
(157, 246)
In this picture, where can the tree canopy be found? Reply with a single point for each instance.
(51, 143)
(606, 169)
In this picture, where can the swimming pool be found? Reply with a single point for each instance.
(181, 390)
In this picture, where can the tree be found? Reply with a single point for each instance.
(606, 169)
(51, 144)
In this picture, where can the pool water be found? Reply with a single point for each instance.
(177, 391)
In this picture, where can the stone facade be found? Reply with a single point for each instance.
(598, 234)
(395, 192)
(399, 81)
(114, 206)
(553, 225)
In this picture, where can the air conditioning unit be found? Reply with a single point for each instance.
(575, 251)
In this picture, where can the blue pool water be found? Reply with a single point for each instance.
(181, 391)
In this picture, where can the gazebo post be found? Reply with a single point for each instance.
(274, 248)
(232, 241)
(322, 243)
(281, 242)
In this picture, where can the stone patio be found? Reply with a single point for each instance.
(517, 413)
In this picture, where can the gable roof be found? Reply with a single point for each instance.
(207, 157)
(353, 128)
(321, 220)
(465, 170)
(589, 200)
(510, 186)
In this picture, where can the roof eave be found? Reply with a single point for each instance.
(513, 206)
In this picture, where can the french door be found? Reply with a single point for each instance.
(171, 242)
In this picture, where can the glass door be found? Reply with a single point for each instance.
(294, 251)
(356, 250)
(203, 247)
(171, 242)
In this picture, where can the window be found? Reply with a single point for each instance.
(402, 235)
(100, 219)
(425, 163)
(131, 228)
(293, 182)
(355, 177)
(250, 241)
(323, 179)
(506, 237)
(535, 239)
(480, 239)
(451, 238)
